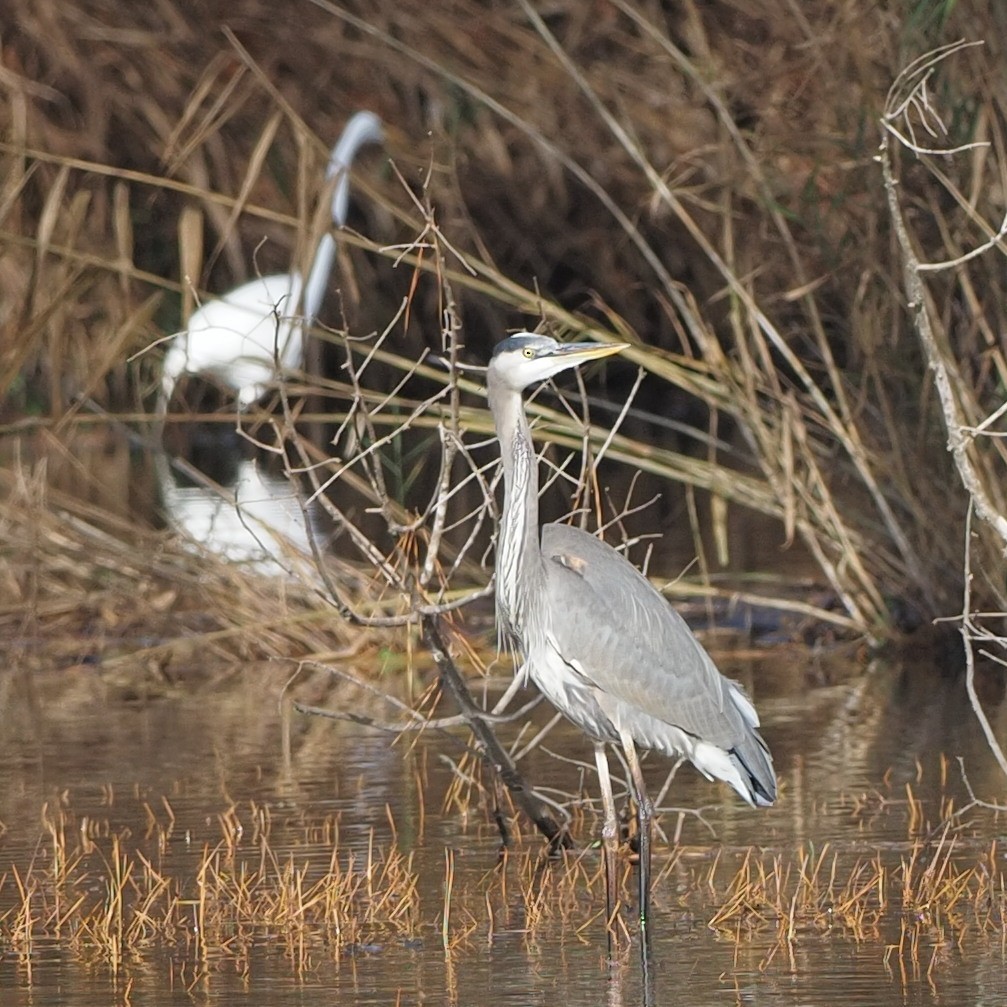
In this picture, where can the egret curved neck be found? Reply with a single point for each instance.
(518, 560)
(318, 278)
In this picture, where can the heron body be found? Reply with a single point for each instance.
(238, 339)
(632, 664)
(597, 638)
(241, 337)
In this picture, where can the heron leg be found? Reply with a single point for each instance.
(645, 813)
(610, 841)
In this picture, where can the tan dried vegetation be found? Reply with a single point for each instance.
(114, 896)
(700, 182)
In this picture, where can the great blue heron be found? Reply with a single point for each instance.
(238, 338)
(597, 637)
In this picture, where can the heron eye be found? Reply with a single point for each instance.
(528, 352)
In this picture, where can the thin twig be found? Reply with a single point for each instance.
(493, 752)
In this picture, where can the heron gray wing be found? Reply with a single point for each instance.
(625, 638)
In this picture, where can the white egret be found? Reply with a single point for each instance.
(239, 337)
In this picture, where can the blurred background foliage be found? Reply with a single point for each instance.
(697, 178)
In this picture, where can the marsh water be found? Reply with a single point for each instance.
(223, 772)
(116, 765)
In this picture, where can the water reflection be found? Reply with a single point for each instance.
(231, 505)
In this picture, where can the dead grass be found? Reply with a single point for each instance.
(110, 897)
(700, 183)
(85, 587)
(114, 896)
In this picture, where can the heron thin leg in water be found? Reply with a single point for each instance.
(609, 837)
(644, 817)
(610, 846)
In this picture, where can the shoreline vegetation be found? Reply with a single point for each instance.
(793, 222)
(207, 899)
(809, 430)
(715, 201)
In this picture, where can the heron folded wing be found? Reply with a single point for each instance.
(632, 644)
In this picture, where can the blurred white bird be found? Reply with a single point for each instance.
(255, 519)
(239, 337)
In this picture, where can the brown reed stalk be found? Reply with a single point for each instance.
(728, 253)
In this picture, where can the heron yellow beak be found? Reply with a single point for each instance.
(589, 351)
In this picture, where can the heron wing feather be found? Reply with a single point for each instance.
(633, 646)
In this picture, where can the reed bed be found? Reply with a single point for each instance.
(86, 587)
(810, 328)
(119, 896)
(702, 185)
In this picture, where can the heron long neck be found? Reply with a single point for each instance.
(519, 570)
(318, 278)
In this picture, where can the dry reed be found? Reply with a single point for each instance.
(84, 586)
(672, 156)
(714, 203)
(111, 896)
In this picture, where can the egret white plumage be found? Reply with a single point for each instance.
(239, 337)
(596, 636)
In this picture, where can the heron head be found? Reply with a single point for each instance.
(527, 358)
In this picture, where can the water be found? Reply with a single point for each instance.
(114, 768)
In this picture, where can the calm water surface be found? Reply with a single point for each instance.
(117, 764)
